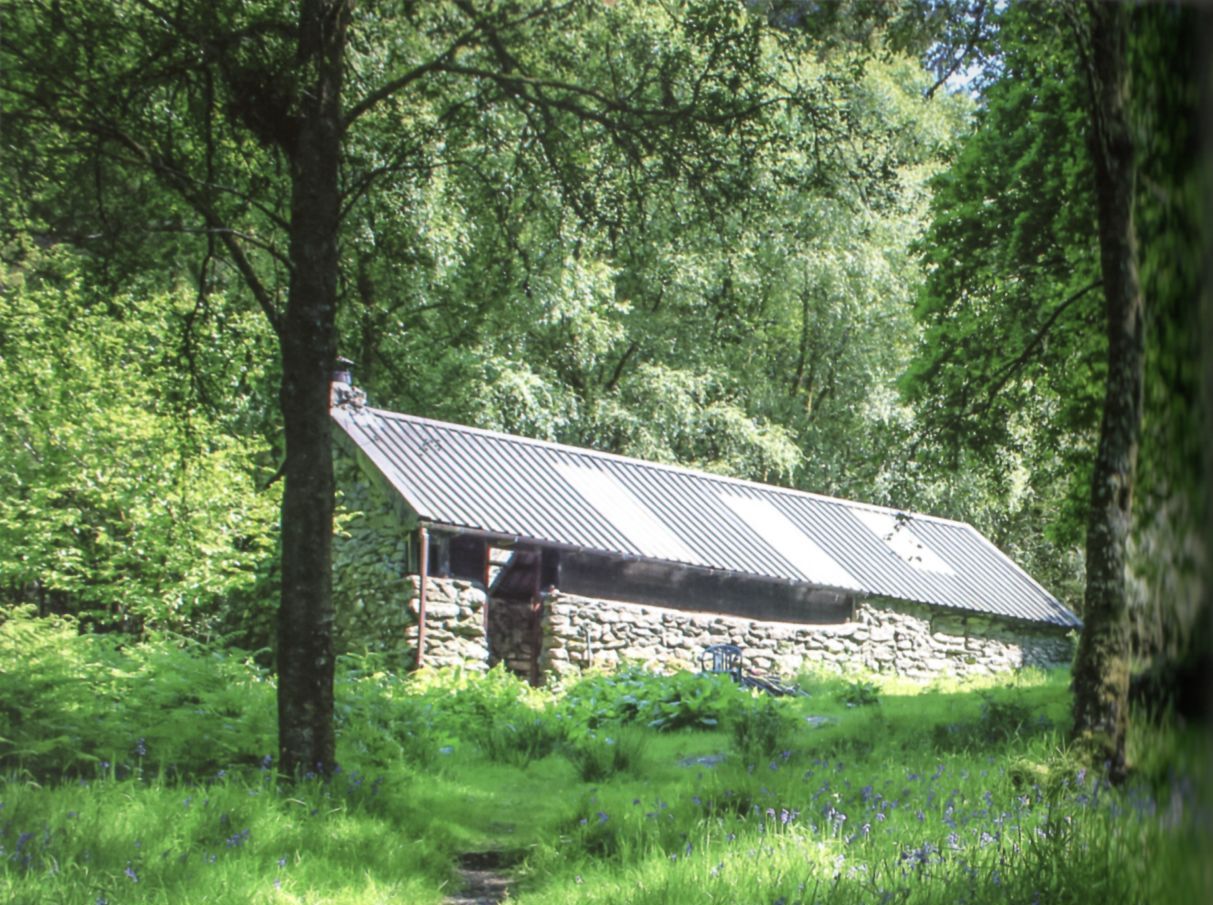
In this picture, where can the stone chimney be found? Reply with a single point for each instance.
(341, 386)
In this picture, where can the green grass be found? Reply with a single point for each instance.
(136, 774)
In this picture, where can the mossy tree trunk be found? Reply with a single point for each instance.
(305, 618)
(1101, 670)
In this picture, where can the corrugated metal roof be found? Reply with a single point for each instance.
(514, 487)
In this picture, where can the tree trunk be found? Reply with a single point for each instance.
(1101, 671)
(306, 739)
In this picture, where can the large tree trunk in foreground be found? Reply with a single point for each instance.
(1101, 671)
(306, 739)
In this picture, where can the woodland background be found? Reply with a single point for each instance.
(850, 248)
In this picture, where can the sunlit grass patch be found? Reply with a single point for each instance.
(867, 790)
(221, 841)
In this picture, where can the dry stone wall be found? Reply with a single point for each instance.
(885, 636)
(514, 639)
(454, 622)
(376, 589)
(372, 560)
(577, 632)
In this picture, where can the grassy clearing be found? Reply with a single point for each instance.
(139, 775)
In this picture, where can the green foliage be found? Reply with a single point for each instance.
(496, 712)
(694, 249)
(864, 806)
(82, 704)
(120, 497)
(633, 695)
(859, 693)
(762, 728)
(381, 718)
(1008, 376)
(1004, 717)
(519, 739)
(601, 754)
(729, 321)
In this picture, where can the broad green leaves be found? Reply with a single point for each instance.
(120, 498)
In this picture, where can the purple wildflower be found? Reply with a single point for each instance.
(919, 856)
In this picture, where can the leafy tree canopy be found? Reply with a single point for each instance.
(120, 497)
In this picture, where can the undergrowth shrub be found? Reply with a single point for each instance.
(1004, 717)
(1045, 774)
(78, 704)
(380, 722)
(761, 728)
(497, 712)
(859, 693)
(665, 702)
(600, 754)
(520, 740)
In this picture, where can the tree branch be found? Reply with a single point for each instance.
(387, 89)
(175, 179)
(969, 47)
(1004, 374)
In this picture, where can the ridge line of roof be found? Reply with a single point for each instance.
(679, 469)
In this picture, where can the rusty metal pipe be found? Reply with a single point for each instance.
(424, 543)
(488, 642)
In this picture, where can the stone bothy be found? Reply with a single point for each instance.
(458, 546)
